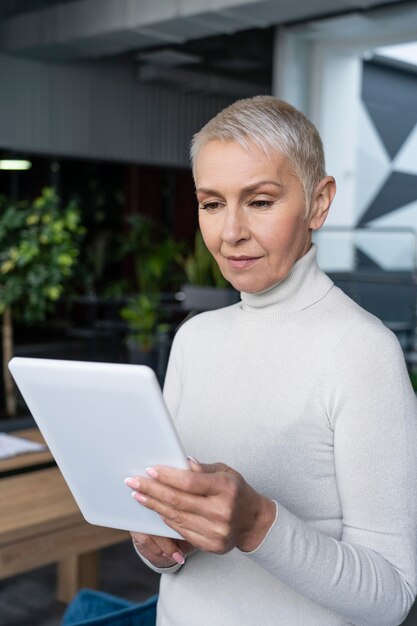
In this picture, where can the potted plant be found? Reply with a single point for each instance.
(206, 287)
(147, 330)
(156, 260)
(39, 247)
(154, 255)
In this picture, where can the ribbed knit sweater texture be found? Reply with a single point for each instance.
(307, 396)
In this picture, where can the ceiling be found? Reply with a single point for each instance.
(222, 46)
(8, 8)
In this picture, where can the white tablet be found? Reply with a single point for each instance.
(102, 423)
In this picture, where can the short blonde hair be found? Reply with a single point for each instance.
(273, 126)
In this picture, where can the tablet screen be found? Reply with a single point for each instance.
(102, 422)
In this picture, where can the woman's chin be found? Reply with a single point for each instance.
(249, 279)
(248, 285)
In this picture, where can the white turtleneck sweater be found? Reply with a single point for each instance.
(307, 396)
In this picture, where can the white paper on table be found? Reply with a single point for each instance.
(11, 446)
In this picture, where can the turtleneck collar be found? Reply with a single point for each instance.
(304, 285)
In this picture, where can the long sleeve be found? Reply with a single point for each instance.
(369, 575)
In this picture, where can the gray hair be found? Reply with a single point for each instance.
(273, 126)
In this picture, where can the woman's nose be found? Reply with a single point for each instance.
(234, 226)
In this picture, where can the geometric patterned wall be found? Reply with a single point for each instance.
(386, 185)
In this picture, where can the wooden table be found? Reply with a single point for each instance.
(40, 523)
(26, 461)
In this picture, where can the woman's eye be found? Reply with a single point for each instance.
(210, 206)
(261, 204)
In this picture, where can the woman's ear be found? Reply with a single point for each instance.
(323, 197)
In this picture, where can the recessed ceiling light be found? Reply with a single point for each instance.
(15, 164)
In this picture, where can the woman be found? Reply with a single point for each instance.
(311, 517)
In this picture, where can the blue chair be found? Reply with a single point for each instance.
(96, 608)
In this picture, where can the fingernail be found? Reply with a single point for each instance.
(132, 482)
(151, 471)
(192, 459)
(139, 496)
(178, 558)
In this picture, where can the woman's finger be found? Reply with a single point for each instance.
(173, 505)
(194, 482)
(163, 549)
(194, 464)
(207, 518)
(152, 492)
(153, 544)
(202, 535)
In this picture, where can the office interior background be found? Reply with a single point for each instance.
(102, 97)
(99, 100)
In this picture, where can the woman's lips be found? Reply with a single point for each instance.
(241, 262)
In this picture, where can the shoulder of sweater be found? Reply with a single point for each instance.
(203, 326)
(358, 355)
(207, 320)
(358, 329)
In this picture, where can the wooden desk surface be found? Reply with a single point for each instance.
(35, 502)
(40, 523)
(26, 460)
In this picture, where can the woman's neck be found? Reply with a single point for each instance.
(302, 287)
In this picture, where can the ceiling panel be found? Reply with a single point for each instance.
(95, 28)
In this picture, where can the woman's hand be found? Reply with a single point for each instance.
(211, 506)
(161, 551)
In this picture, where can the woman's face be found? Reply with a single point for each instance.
(251, 213)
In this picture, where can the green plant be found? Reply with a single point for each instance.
(157, 266)
(96, 260)
(143, 317)
(156, 256)
(413, 378)
(39, 247)
(201, 268)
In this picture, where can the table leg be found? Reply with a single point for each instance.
(75, 572)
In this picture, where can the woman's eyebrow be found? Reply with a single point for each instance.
(247, 189)
(255, 186)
